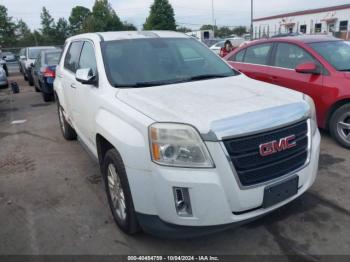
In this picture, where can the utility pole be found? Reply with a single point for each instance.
(251, 19)
(213, 15)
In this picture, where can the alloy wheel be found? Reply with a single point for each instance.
(116, 192)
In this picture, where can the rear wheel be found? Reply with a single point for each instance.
(118, 193)
(67, 130)
(47, 97)
(340, 125)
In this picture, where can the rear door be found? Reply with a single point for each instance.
(253, 61)
(286, 58)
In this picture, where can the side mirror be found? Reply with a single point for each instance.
(308, 68)
(86, 76)
(22, 57)
(4, 57)
(32, 64)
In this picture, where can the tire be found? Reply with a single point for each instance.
(67, 131)
(127, 220)
(31, 82)
(47, 97)
(36, 88)
(339, 125)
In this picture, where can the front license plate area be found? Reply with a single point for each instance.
(279, 192)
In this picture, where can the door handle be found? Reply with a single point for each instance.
(73, 86)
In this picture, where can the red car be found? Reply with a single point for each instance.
(318, 66)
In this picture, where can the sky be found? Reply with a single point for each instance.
(189, 13)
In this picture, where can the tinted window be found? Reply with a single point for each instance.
(343, 26)
(72, 57)
(87, 57)
(258, 54)
(290, 56)
(52, 58)
(337, 53)
(160, 61)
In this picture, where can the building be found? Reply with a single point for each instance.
(332, 20)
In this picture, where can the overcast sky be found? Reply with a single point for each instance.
(190, 13)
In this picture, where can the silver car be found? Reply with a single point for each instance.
(3, 79)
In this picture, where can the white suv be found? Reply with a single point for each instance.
(186, 145)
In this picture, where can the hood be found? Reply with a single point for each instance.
(211, 104)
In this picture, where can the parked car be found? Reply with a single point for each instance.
(3, 79)
(318, 66)
(8, 56)
(236, 42)
(4, 66)
(27, 58)
(44, 72)
(186, 145)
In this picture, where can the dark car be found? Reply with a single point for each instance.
(44, 72)
(318, 66)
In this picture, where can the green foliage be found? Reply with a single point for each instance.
(161, 17)
(225, 31)
(7, 28)
(103, 18)
(183, 29)
(77, 18)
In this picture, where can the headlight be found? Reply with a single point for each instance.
(178, 145)
(313, 118)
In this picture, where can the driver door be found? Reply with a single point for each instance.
(286, 58)
(85, 95)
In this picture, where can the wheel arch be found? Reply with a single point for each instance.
(333, 108)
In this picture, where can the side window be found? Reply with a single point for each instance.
(258, 54)
(289, 56)
(87, 57)
(238, 57)
(72, 57)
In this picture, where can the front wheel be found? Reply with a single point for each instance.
(340, 126)
(118, 193)
(67, 130)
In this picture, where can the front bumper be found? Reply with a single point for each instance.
(4, 83)
(217, 200)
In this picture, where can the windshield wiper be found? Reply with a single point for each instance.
(208, 76)
(148, 84)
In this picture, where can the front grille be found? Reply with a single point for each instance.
(253, 169)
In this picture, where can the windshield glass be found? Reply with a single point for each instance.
(160, 61)
(337, 53)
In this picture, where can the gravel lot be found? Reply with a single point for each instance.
(52, 200)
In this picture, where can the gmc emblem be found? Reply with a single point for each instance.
(273, 147)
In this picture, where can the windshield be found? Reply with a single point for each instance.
(160, 61)
(337, 53)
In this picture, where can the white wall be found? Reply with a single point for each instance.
(268, 28)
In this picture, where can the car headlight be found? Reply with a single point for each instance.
(178, 145)
(313, 117)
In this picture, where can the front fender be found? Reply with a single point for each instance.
(130, 139)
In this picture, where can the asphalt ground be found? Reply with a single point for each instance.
(52, 199)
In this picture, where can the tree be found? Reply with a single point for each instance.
(239, 30)
(103, 18)
(183, 29)
(129, 27)
(24, 36)
(161, 17)
(61, 31)
(77, 18)
(47, 23)
(7, 28)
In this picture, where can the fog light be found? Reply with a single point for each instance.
(182, 201)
